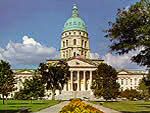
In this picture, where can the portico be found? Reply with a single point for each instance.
(80, 80)
(80, 76)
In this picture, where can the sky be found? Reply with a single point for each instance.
(30, 30)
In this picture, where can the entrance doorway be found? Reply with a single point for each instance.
(74, 86)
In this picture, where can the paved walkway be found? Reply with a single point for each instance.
(104, 109)
(54, 109)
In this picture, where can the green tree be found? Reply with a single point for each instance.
(131, 31)
(105, 83)
(54, 76)
(32, 88)
(7, 79)
(144, 86)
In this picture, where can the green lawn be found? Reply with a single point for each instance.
(12, 106)
(128, 106)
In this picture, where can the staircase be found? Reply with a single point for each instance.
(67, 95)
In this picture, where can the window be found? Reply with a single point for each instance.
(74, 33)
(85, 54)
(82, 43)
(74, 42)
(74, 54)
(81, 75)
(69, 33)
(63, 54)
(74, 75)
(81, 52)
(63, 43)
(126, 81)
(87, 73)
(66, 42)
(85, 43)
(69, 77)
(70, 23)
(131, 81)
(74, 23)
(121, 81)
(135, 81)
(67, 54)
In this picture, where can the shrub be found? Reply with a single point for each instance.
(130, 94)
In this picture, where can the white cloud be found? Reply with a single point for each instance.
(121, 61)
(117, 61)
(94, 56)
(29, 52)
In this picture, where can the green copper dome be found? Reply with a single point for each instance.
(75, 22)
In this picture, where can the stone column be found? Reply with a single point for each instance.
(78, 81)
(84, 81)
(90, 80)
(71, 75)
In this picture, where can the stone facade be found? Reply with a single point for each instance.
(75, 43)
(130, 79)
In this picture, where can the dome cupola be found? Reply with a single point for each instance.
(75, 22)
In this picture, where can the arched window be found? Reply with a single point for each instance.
(66, 42)
(82, 43)
(63, 43)
(85, 43)
(74, 42)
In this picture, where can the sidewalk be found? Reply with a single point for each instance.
(54, 109)
(104, 109)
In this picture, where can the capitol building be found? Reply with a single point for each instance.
(75, 49)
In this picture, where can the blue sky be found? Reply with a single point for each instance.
(43, 20)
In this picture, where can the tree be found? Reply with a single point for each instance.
(144, 87)
(54, 76)
(105, 83)
(32, 89)
(7, 79)
(131, 31)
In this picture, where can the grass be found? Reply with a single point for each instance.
(13, 106)
(128, 106)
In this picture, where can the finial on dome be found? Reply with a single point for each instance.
(75, 12)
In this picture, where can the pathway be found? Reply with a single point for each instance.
(104, 109)
(54, 109)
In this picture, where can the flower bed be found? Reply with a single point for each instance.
(77, 106)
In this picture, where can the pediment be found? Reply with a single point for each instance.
(26, 72)
(79, 63)
(123, 72)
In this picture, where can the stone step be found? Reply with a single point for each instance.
(67, 95)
